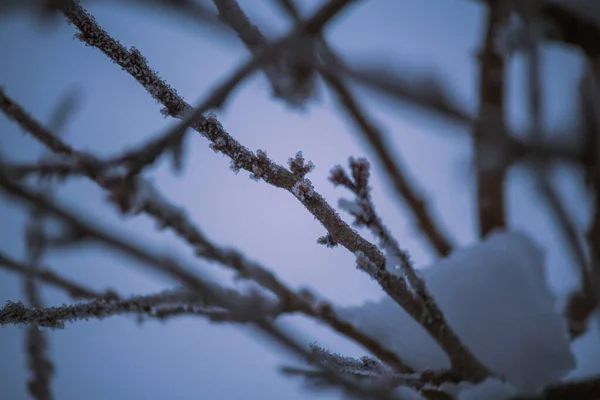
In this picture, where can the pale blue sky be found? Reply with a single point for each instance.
(189, 359)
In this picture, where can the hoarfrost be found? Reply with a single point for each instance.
(494, 295)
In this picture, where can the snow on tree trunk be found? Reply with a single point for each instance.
(494, 295)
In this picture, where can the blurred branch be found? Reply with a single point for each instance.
(41, 366)
(47, 276)
(242, 158)
(585, 389)
(290, 80)
(186, 9)
(566, 25)
(175, 270)
(140, 196)
(391, 163)
(580, 304)
(590, 119)
(489, 131)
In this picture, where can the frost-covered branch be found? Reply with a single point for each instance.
(398, 278)
(405, 190)
(370, 370)
(139, 195)
(175, 270)
(392, 165)
(134, 63)
(151, 306)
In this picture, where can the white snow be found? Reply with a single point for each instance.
(490, 389)
(495, 297)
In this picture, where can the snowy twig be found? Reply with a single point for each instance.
(134, 63)
(405, 190)
(406, 288)
(175, 270)
(368, 368)
(140, 196)
(152, 305)
(392, 165)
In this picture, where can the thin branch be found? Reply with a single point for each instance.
(408, 288)
(391, 163)
(141, 196)
(183, 273)
(134, 63)
(152, 305)
(374, 137)
(489, 134)
(50, 277)
(290, 81)
(585, 389)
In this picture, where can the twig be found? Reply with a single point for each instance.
(182, 273)
(405, 287)
(586, 389)
(405, 190)
(391, 165)
(290, 81)
(134, 63)
(141, 196)
(489, 134)
(152, 305)
(47, 276)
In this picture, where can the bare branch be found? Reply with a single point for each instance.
(490, 143)
(47, 276)
(290, 80)
(587, 389)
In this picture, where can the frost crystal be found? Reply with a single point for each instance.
(261, 154)
(219, 144)
(257, 173)
(298, 167)
(303, 189)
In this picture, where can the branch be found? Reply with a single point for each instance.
(152, 305)
(139, 195)
(406, 287)
(134, 63)
(489, 134)
(404, 189)
(586, 389)
(290, 80)
(181, 272)
(391, 164)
